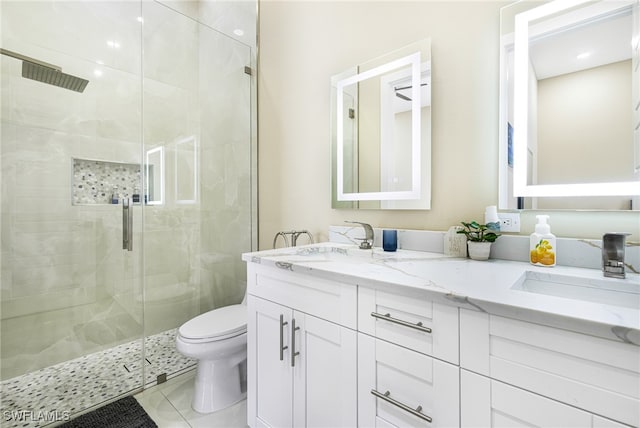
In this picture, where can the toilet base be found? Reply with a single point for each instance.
(219, 384)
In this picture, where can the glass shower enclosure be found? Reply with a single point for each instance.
(125, 205)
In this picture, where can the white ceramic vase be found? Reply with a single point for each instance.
(479, 250)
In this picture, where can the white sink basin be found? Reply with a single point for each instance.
(607, 291)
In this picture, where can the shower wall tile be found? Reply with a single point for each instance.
(63, 335)
(53, 251)
(170, 39)
(56, 25)
(19, 307)
(171, 113)
(108, 108)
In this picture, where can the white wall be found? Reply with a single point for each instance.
(585, 115)
(303, 43)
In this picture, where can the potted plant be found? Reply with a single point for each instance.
(479, 239)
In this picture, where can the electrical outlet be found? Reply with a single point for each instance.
(509, 222)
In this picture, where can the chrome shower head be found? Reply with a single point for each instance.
(47, 73)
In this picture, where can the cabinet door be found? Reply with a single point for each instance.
(269, 377)
(390, 377)
(324, 371)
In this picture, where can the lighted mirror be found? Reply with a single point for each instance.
(381, 132)
(186, 172)
(569, 106)
(154, 176)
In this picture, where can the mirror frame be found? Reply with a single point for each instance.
(415, 193)
(520, 118)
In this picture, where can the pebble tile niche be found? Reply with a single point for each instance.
(94, 182)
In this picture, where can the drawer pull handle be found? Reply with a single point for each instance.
(388, 317)
(282, 347)
(415, 412)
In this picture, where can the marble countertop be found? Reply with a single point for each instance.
(494, 286)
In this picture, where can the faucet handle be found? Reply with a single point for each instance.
(613, 249)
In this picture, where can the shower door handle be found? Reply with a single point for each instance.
(127, 225)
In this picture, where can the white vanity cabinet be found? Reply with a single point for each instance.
(301, 350)
(569, 375)
(400, 383)
(331, 354)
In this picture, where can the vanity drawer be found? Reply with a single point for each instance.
(329, 300)
(398, 387)
(489, 403)
(598, 375)
(417, 324)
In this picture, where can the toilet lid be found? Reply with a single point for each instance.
(218, 322)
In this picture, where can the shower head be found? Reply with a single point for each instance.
(47, 73)
(52, 76)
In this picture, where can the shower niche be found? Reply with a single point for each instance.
(100, 182)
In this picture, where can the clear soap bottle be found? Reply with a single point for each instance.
(542, 244)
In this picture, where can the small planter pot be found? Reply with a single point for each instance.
(479, 250)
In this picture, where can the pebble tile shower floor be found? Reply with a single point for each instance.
(40, 397)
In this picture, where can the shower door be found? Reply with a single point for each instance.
(71, 305)
(197, 142)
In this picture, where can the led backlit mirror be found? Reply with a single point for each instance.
(381, 132)
(154, 176)
(569, 117)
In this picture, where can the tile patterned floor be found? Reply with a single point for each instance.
(169, 405)
(46, 395)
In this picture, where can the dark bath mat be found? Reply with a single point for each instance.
(124, 413)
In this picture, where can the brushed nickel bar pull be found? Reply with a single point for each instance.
(294, 354)
(282, 347)
(127, 225)
(415, 412)
(388, 317)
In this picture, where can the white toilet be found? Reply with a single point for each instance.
(218, 340)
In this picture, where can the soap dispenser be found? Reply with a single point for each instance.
(542, 244)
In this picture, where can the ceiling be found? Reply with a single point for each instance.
(607, 40)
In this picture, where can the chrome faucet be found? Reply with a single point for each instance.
(367, 241)
(613, 246)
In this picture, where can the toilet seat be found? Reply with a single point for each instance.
(218, 324)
